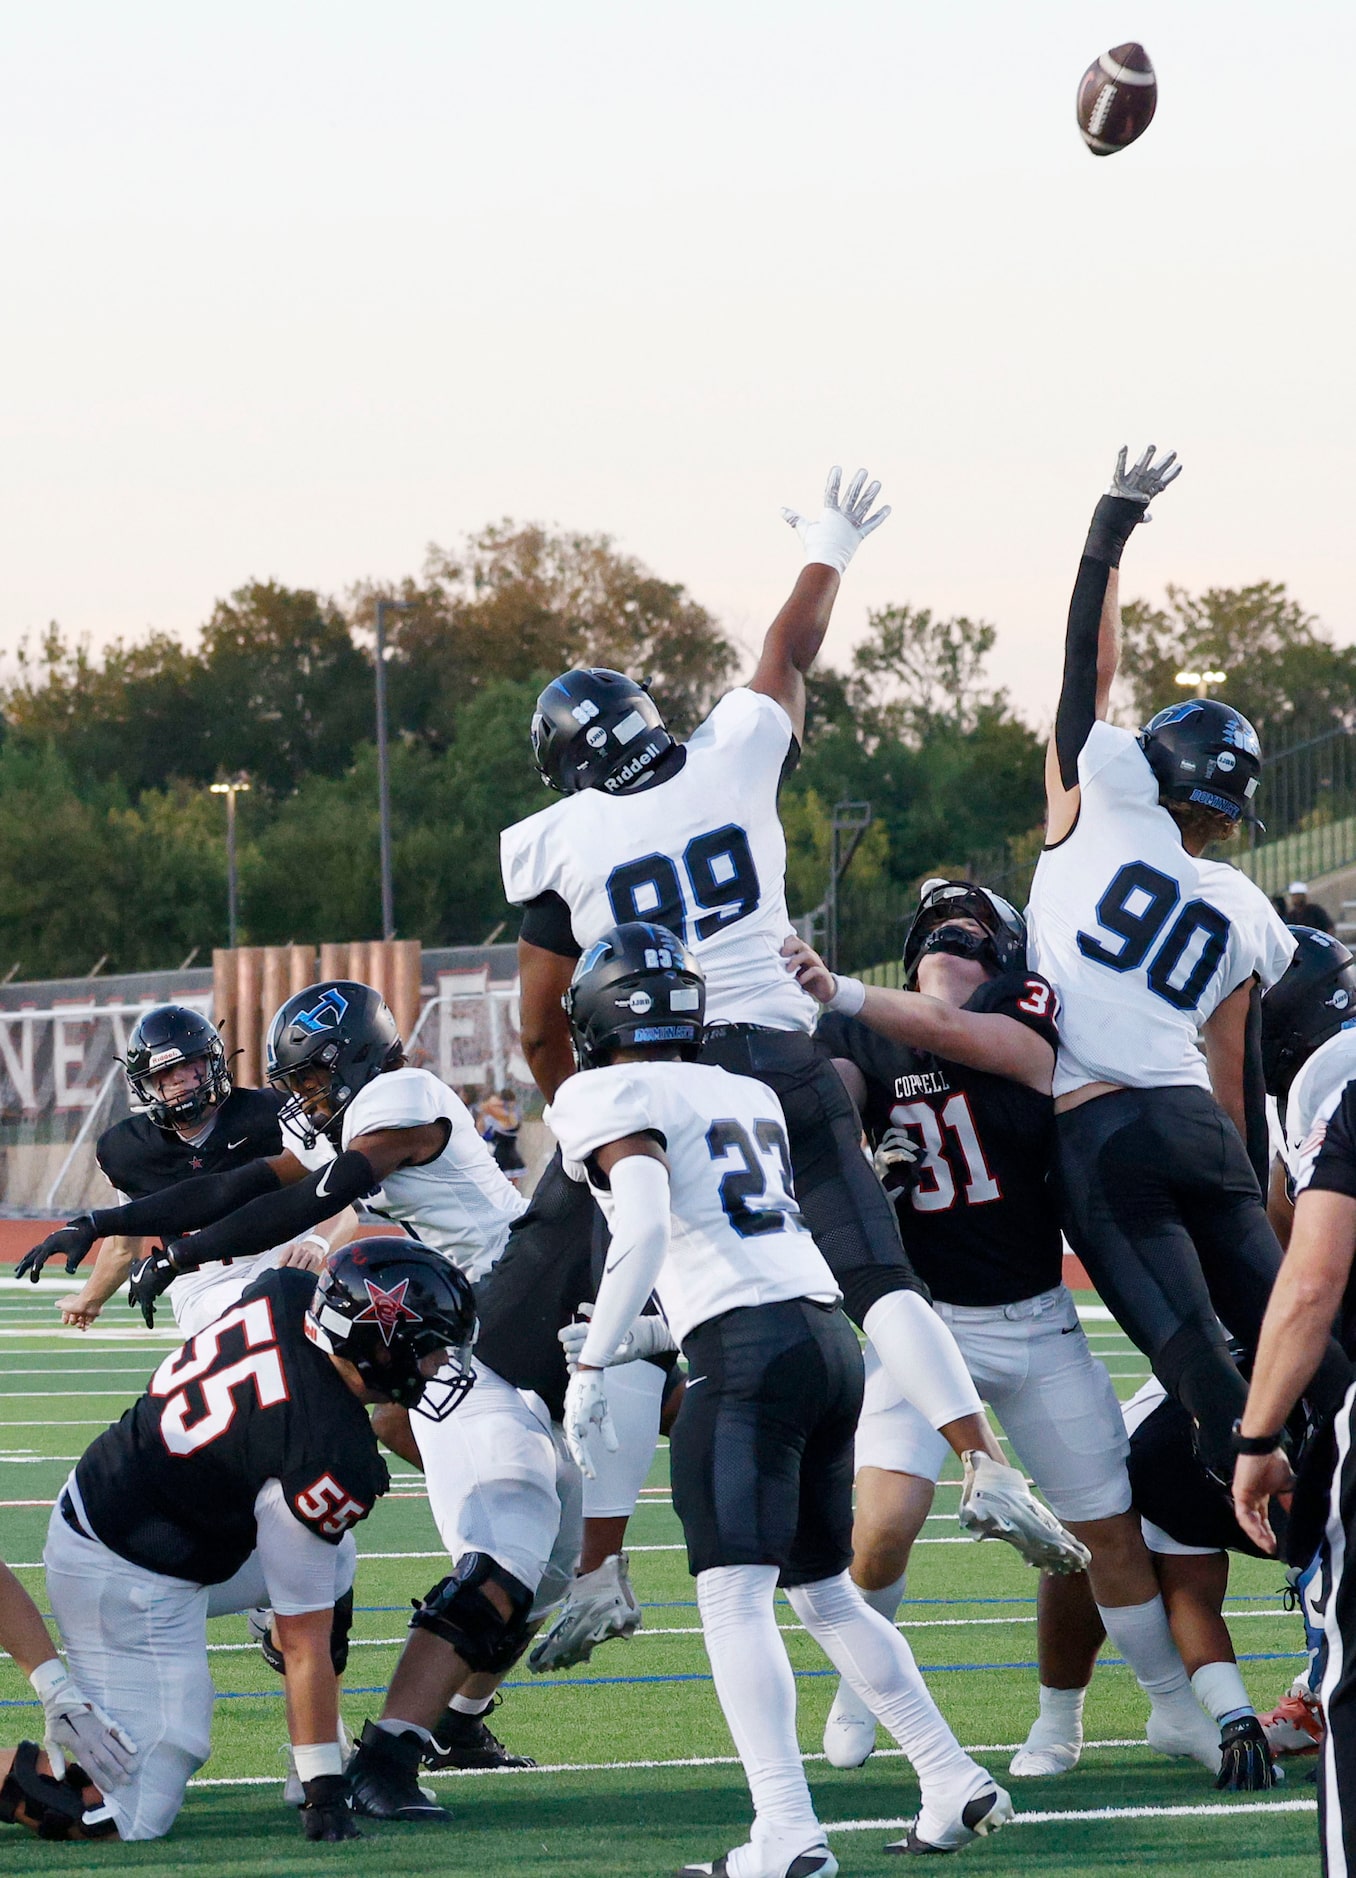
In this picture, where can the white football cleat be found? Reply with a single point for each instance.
(985, 1812)
(1045, 1755)
(850, 1731)
(747, 1861)
(600, 1604)
(1183, 1730)
(996, 1503)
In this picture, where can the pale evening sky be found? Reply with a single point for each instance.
(294, 289)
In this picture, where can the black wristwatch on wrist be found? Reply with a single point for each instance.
(1255, 1444)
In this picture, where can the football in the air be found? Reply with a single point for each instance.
(1117, 96)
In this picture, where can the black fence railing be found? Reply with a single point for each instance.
(1307, 801)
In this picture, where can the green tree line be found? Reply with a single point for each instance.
(111, 845)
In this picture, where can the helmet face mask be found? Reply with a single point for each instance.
(636, 986)
(596, 729)
(1207, 755)
(164, 1039)
(324, 1045)
(403, 1316)
(1002, 945)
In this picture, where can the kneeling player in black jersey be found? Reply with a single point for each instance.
(953, 1080)
(248, 1460)
(690, 1165)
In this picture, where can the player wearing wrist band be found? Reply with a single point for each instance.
(952, 1076)
(1315, 1294)
(688, 835)
(236, 1479)
(692, 1168)
(1157, 954)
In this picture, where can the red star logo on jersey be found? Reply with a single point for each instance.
(195, 1162)
(386, 1308)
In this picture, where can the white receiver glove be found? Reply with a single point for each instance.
(77, 1727)
(894, 1160)
(835, 535)
(648, 1336)
(1145, 479)
(587, 1420)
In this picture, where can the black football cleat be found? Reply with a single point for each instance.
(468, 1741)
(383, 1778)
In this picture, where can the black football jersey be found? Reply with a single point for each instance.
(979, 1218)
(172, 1485)
(546, 1270)
(141, 1159)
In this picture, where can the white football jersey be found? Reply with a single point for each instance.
(1141, 940)
(460, 1204)
(200, 1297)
(738, 1238)
(1312, 1102)
(702, 853)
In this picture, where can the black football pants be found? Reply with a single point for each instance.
(1162, 1206)
(845, 1207)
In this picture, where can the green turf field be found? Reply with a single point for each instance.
(637, 1771)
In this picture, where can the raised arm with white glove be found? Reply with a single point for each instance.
(640, 1241)
(648, 1336)
(833, 536)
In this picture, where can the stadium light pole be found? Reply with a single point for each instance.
(239, 787)
(1201, 680)
(384, 607)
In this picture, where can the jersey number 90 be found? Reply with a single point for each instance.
(1135, 909)
(721, 878)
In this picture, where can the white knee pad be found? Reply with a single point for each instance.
(635, 1395)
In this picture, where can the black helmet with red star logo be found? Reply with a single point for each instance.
(404, 1316)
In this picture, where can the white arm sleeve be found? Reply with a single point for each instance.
(640, 1241)
(302, 1571)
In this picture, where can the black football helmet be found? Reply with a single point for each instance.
(638, 984)
(1205, 752)
(164, 1036)
(403, 1315)
(1003, 945)
(596, 729)
(324, 1045)
(1312, 1000)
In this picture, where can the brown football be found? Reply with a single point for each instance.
(1117, 96)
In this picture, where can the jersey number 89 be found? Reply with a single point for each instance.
(720, 874)
(1135, 909)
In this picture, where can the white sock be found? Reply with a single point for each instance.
(1219, 1688)
(920, 1356)
(879, 1664)
(1060, 1719)
(887, 1601)
(757, 1691)
(394, 1726)
(1144, 1638)
(470, 1704)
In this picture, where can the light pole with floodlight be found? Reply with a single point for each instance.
(239, 787)
(383, 607)
(1202, 680)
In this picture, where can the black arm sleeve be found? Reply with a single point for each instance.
(546, 923)
(277, 1217)
(188, 1203)
(1112, 523)
(1258, 1137)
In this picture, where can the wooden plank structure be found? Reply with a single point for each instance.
(250, 982)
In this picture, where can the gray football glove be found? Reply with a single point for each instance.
(1145, 479)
